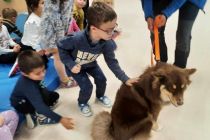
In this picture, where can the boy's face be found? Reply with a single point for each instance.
(14, 19)
(105, 30)
(36, 74)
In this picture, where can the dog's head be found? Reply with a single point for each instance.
(172, 82)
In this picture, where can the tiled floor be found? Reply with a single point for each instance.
(189, 122)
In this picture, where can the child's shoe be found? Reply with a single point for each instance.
(105, 101)
(85, 110)
(14, 69)
(43, 120)
(55, 105)
(46, 121)
(31, 120)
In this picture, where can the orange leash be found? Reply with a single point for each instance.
(156, 46)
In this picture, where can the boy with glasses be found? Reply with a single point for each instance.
(79, 52)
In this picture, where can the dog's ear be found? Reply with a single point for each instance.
(159, 77)
(190, 71)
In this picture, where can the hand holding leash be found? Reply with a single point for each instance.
(160, 20)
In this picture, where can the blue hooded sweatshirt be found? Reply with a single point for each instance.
(171, 8)
(79, 49)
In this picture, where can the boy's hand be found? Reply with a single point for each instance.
(76, 69)
(67, 122)
(1, 120)
(150, 23)
(130, 82)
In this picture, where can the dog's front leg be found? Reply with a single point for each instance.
(155, 113)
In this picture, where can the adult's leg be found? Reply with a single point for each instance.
(187, 15)
(10, 120)
(99, 79)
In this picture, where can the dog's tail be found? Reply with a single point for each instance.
(101, 126)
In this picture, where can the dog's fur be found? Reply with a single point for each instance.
(136, 108)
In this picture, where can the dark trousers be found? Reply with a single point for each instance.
(86, 87)
(187, 15)
(25, 107)
(10, 58)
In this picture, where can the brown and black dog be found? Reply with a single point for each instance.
(136, 108)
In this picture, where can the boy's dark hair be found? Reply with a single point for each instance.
(100, 13)
(29, 60)
(9, 13)
(32, 4)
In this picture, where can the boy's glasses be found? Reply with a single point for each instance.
(109, 32)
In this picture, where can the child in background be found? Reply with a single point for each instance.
(8, 48)
(8, 124)
(54, 26)
(9, 21)
(78, 13)
(79, 53)
(31, 98)
(73, 27)
(31, 35)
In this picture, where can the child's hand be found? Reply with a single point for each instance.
(76, 69)
(130, 82)
(16, 48)
(67, 122)
(1, 120)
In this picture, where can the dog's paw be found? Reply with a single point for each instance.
(156, 127)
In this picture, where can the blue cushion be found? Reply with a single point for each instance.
(20, 20)
(7, 84)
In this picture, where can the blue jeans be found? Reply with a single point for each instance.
(86, 87)
(187, 15)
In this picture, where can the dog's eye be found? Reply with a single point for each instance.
(182, 86)
(174, 86)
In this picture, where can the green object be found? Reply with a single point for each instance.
(7, 0)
